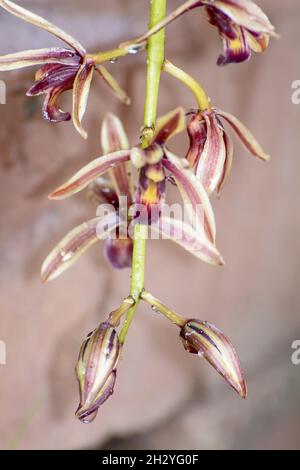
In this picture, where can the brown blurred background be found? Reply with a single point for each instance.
(164, 398)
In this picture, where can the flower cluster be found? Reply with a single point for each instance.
(130, 183)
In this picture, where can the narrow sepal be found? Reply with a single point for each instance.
(228, 161)
(195, 242)
(193, 194)
(169, 125)
(81, 89)
(53, 55)
(246, 137)
(36, 20)
(75, 243)
(90, 173)
(113, 84)
(114, 138)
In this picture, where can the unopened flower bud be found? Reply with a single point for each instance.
(204, 339)
(96, 370)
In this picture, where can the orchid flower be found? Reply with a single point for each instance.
(242, 25)
(61, 69)
(196, 236)
(211, 149)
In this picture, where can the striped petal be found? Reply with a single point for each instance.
(114, 138)
(244, 13)
(193, 194)
(51, 110)
(53, 55)
(81, 89)
(195, 242)
(90, 173)
(36, 20)
(73, 245)
(52, 76)
(113, 84)
(245, 135)
(228, 162)
(169, 125)
(212, 159)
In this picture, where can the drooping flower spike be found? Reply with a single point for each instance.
(61, 69)
(211, 150)
(242, 25)
(197, 237)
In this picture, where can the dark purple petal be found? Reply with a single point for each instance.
(57, 76)
(118, 252)
(54, 55)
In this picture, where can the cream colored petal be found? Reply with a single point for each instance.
(36, 20)
(81, 89)
(246, 137)
(113, 84)
(195, 242)
(193, 194)
(90, 173)
(75, 243)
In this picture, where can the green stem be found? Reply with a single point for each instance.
(156, 56)
(137, 275)
(165, 21)
(166, 311)
(155, 52)
(201, 97)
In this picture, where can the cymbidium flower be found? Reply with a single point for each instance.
(211, 150)
(243, 27)
(196, 236)
(61, 69)
(96, 370)
(202, 338)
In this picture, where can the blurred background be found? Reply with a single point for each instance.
(164, 398)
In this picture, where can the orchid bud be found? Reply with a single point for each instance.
(204, 339)
(118, 252)
(96, 370)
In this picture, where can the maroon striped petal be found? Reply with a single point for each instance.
(244, 13)
(245, 135)
(36, 20)
(228, 162)
(81, 89)
(90, 173)
(169, 125)
(211, 162)
(53, 55)
(75, 243)
(51, 110)
(197, 133)
(52, 77)
(195, 242)
(114, 138)
(194, 195)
